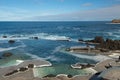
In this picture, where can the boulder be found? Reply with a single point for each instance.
(107, 45)
(35, 37)
(22, 69)
(49, 75)
(7, 54)
(104, 50)
(30, 65)
(4, 36)
(69, 76)
(11, 41)
(99, 39)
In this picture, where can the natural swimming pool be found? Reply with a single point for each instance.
(58, 69)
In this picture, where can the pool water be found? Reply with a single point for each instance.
(58, 69)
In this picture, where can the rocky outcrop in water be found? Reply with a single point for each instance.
(107, 44)
(11, 41)
(97, 39)
(116, 21)
(4, 36)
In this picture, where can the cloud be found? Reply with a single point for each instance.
(107, 13)
(87, 4)
(11, 13)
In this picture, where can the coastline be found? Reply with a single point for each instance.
(37, 63)
(99, 66)
(92, 51)
(39, 45)
(91, 56)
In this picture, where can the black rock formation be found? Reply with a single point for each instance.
(31, 66)
(4, 36)
(49, 75)
(69, 76)
(11, 41)
(22, 69)
(13, 72)
(105, 45)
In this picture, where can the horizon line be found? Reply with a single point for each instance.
(53, 21)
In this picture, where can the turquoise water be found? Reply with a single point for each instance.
(58, 69)
(13, 60)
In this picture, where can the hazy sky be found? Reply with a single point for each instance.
(59, 10)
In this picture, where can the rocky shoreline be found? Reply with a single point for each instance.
(101, 46)
(24, 71)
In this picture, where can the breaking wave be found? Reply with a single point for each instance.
(29, 36)
(10, 48)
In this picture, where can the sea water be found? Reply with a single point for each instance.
(58, 69)
(49, 46)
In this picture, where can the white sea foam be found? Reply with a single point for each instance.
(96, 57)
(109, 33)
(52, 37)
(74, 40)
(88, 38)
(34, 56)
(92, 57)
(10, 48)
(39, 35)
(19, 62)
(117, 36)
(53, 58)
(57, 49)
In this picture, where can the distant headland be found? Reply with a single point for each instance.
(116, 21)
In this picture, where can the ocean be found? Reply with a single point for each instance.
(48, 46)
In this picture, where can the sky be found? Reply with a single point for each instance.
(59, 10)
